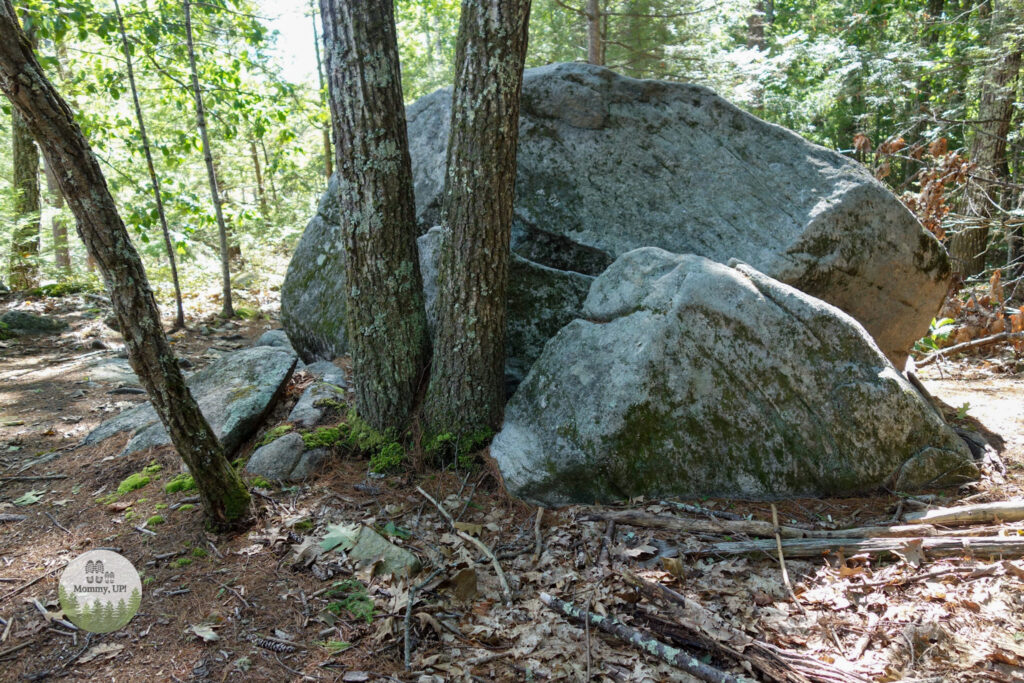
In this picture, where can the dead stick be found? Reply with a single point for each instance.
(539, 544)
(12, 518)
(782, 559)
(408, 616)
(966, 346)
(642, 641)
(1003, 511)
(38, 477)
(34, 581)
(480, 545)
(56, 523)
(933, 546)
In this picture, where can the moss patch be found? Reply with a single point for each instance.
(323, 437)
(274, 434)
(182, 482)
(133, 482)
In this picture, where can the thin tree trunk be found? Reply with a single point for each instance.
(384, 312)
(466, 394)
(328, 155)
(58, 225)
(595, 39)
(24, 264)
(261, 190)
(269, 172)
(51, 122)
(227, 310)
(988, 148)
(179, 316)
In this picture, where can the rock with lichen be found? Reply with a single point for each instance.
(686, 377)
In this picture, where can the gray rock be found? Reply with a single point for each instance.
(3, 288)
(112, 370)
(275, 339)
(21, 323)
(330, 385)
(286, 459)
(690, 378)
(234, 392)
(608, 164)
(541, 301)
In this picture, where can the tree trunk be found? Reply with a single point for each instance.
(78, 173)
(384, 311)
(261, 190)
(755, 27)
(466, 393)
(595, 39)
(227, 310)
(179, 316)
(58, 225)
(269, 172)
(988, 148)
(24, 264)
(328, 156)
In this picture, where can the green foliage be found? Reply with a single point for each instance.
(350, 595)
(260, 482)
(182, 482)
(392, 529)
(133, 482)
(181, 562)
(155, 520)
(273, 434)
(334, 646)
(444, 447)
(152, 468)
(322, 437)
(186, 507)
(938, 332)
(388, 458)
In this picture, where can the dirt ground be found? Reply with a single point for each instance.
(267, 605)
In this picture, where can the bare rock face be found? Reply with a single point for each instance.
(608, 164)
(690, 378)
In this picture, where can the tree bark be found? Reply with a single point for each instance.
(24, 265)
(179, 316)
(466, 394)
(261, 190)
(384, 311)
(595, 39)
(328, 156)
(58, 225)
(988, 148)
(227, 309)
(78, 173)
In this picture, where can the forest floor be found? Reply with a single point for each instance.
(265, 604)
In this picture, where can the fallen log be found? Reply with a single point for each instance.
(777, 664)
(1004, 511)
(642, 641)
(966, 346)
(754, 527)
(933, 546)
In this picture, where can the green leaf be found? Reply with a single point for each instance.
(29, 498)
(343, 536)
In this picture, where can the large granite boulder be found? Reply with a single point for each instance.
(22, 323)
(608, 164)
(234, 392)
(692, 378)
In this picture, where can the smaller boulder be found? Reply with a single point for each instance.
(312, 406)
(22, 323)
(286, 459)
(275, 339)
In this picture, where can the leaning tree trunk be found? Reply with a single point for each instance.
(24, 265)
(988, 148)
(227, 309)
(466, 393)
(78, 173)
(384, 313)
(179, 316)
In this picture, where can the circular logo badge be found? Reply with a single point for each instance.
(100, 591)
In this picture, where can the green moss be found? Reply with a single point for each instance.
(199, 552)
(442, 447)
(388, 458)
(133, 482)
(4, 333)
(155, 520)
(129, 515)
(274, 434)
(304, 525)
(182, 482)
(59, 289)
(182, 562)
(186, 507)
(260, 482)
(152, 468)
(160, 506)
(148, 580)
(322, 437)
(353, 598)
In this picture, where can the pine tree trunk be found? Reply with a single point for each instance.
(988, 148)
(595, 41)
(58, 225)
(78, 173)
(179, 316)
(466, 393)
(227, 310)
(24, 265)
(384, 314)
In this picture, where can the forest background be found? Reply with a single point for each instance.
(926, 94)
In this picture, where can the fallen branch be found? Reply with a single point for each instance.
(967, 346)
(480, 545)
(539, 538)
(34, 581)
(408, 616)
(57, 524)
(782, 560)
(12, 518)
(754, 527)
(935, 546)
(642, 641)
(1005, 511)
(37, 477)
(711, 630)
